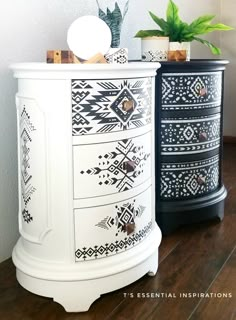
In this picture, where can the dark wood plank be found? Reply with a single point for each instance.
(229, 139)
(229, 173)
(223, 308)
(168, 244)
(229, 162)
(18, 304)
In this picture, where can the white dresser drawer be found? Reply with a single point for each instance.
(98, 105)
(101, 169)
(103, 231)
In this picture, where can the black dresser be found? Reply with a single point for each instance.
(189, 117)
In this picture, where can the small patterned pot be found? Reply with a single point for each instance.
(117, 55)
(155, 48)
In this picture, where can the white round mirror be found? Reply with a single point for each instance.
(87, 36)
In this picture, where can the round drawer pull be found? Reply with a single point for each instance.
(203, 92)
(201, 180)
(128, 105)
(129, 166)
(129, 228)
(203, 136)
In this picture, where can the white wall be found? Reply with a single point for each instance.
(228, 41)
(27, 29)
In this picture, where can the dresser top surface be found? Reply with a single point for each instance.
(194, 65)
(41, 70)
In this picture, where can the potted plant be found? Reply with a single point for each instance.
(181, 33)
(114, 19)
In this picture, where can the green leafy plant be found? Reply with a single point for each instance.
(114, 20)
(179, 31)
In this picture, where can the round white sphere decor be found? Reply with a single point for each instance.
(87, 36)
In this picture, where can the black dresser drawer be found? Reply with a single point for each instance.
(191, 91)
(187, 180)
(190, 135)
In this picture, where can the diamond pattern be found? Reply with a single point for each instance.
(188, 133)
(117, 105)
(192, 184)
(196, 86)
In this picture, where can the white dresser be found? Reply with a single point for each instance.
(86, 179)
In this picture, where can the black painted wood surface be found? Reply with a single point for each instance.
(189, 118)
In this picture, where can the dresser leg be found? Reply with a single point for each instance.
(77, 286)
(77, 296)
(153, 265)
(221, 214)
(77, 299)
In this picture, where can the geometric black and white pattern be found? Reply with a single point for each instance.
(127, 213)
(189, 179)
(157, 55)
(189, 149)
(26, 216)
(117, 55)
(189, 91)
(111, 248)
(121, 166)
(184, 135)
(26, 128)
(97, 106)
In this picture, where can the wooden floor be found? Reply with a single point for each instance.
(195, 259)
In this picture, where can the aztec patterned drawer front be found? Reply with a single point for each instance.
(102, 106)
(101, 169)
(107, 230)
(193, 135)
(189, 179)
(191, 91)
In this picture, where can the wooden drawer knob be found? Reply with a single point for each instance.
(203, 92)
(201, 180)
(203, 136)
(129, 228)
(128, 105)
(129, 166)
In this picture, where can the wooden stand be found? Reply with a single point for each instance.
(65, 56)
